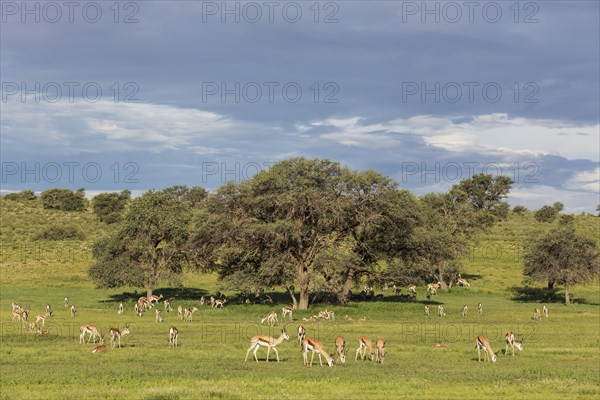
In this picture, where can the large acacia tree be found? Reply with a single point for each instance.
(148, 248)
(563, 257)
(276, 224)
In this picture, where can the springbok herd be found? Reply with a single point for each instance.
(307, 344)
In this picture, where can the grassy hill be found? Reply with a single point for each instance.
(560, 358)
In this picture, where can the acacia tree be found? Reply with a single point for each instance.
(562, 257)
(380, 220)
(449, 219)
(485, 192)
(280, 220)
(148, 248)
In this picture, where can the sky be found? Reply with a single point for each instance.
(137, 95)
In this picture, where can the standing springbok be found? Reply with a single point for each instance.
(158, 315)
(73, 311)
(441, 310)
(536, 314)
(121, 308)
(480, 308)
(545, 311)
(266, 341)
(465, 310)
(300, 334)
(426, 308)
(173, 336)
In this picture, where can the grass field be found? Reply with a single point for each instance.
(561, 356)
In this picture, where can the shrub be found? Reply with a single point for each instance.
(60, 232)
(24, 195)
(519, 210)
(63, 199)
(109, 207)
(549, 213)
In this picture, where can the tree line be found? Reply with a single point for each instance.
(313, 228)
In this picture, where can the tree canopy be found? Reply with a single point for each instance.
(148, 248)
(563, 257)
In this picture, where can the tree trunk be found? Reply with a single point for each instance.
(304, 281)
(343, 295)
(550, 286)
(149, 292)
(444, 285)
(567, 296)
(293, 296)
(303, 305)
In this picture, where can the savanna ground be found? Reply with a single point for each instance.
(561, 356)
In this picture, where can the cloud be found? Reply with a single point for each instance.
(184, 145)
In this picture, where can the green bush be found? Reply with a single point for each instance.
(549, 213)
(63, 199)
(24, 195)
(60, 232)
(519, 210)
(109, 207)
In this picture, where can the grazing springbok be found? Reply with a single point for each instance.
(287, 311)
(315, 346)
(365, 345)
(115, 335)
(340, 349)
(271, 318)
(482, 342)
(180, 312)
(158, 315)
(219, 303)
(266, 341)
(168, 307)
(463, 282)
(189, 313)
(380, 343)
(85, 329)
(511, 341)
(536, 314)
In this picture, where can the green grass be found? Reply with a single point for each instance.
(561, 356)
